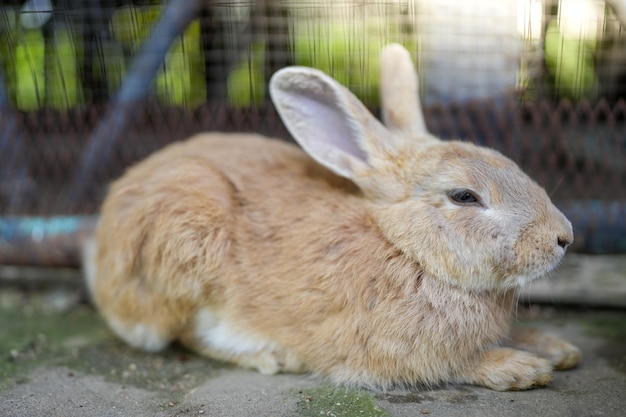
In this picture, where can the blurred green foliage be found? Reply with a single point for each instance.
(348, 51)
(28, 55)
(570, 62)
(39, 72)
(180, 81)
(46, 71)
(246, 83)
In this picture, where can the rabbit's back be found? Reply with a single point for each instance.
(181, 228)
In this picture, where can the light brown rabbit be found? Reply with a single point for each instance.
(385, 258)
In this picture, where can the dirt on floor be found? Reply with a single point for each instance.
(58, 358)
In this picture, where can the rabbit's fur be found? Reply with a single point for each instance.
(370, 264)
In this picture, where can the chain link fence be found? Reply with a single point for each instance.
(89, 87)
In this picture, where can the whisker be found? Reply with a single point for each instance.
(556, 187)
(517, 301)
(551, 292)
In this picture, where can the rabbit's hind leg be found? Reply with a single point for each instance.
(212, 334)
(132, 330)
(143, 336)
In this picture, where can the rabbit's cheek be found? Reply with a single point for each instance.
(537, 255)
(503, 263)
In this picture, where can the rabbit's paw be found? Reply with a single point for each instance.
(505, 369)
(562, 354)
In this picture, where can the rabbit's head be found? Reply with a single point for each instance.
(466, 214)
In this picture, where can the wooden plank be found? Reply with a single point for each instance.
(585, 280)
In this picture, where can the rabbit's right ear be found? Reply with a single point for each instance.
(328, 121)
(400, 103)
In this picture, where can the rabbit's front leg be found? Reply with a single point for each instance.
(506, 369)
(562, 354)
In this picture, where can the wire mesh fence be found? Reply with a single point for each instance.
(89, 87)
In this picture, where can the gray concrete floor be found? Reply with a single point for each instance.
(59, 359)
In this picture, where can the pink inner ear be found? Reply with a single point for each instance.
(323, 125)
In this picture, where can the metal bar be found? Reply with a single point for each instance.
(44, 241)
(16, 187)
(175, 17)
(216, 61)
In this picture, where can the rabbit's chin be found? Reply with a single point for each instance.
(485, 281)
(520, 281)
(523, 280)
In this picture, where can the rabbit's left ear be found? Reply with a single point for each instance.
(328, 121)
(400, 103)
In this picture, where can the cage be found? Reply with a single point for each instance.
(88, 87)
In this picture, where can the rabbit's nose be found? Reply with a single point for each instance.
(564, 231)
(566, 236)
(563, 242)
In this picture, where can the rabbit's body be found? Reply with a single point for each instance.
(246, 249)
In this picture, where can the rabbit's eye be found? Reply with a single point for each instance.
(464, 197)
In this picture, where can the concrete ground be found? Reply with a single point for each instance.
(57, 358)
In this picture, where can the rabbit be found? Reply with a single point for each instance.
(373, 255)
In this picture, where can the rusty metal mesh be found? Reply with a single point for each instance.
(577, 152)
(564, 123)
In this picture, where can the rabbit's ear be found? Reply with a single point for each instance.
(401, 108)
(328, 121)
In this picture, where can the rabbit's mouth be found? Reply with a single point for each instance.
(540, 250)
(538, 270)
